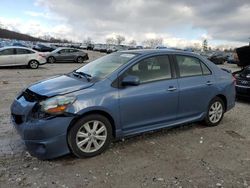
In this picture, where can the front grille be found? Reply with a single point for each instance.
(17, 118)
(242, 82)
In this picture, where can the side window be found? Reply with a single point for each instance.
(9, 51)
(205, 69)
(188, 66)
(151, 69)
(73, 51)
(61, 51)
(23, 51)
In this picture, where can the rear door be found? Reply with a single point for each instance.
(23, 56)
(7, 57)
(155, 100)
(196, 86)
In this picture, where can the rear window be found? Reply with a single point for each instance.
(23, 51)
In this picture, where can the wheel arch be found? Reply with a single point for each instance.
(100, 112)
(224, 99)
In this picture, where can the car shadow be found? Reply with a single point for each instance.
(22, 67)
(243, 100)
(70, 159)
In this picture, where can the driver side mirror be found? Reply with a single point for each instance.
(131, 81)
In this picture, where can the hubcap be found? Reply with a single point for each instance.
(80, 60)
(33, 64)
(91, 136)
(51, 60)
(215, 112)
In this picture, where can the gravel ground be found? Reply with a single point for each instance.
(188, 156)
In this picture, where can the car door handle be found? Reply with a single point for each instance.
(171, 88)
(209, 83)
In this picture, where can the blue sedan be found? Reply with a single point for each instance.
(118, 95)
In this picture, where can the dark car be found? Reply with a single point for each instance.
(243, 82)
(218, 58)
(243, 76)
(43, 48)
(118, 95)
(66, 55)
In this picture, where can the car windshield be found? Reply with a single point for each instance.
(104, 66)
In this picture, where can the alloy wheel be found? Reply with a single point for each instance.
(91, 136)
(215, 112)
(33, 64)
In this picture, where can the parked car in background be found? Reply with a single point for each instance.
(83, 46)
(97, 47)
(243, 82)
(111, 48)
(118, 95)
(243, 76)
(218, 58)
(103, 48)
(66, 55)
(16, 55)
(161, 47)
(232, 58)
(19, 44)
(43, 48)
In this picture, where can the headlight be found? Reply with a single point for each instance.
(57, 105)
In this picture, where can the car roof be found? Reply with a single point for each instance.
(21, 47)
(65, 48)
(153, 51)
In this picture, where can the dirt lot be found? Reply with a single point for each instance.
(188, 156)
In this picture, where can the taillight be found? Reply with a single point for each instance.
(42, 55)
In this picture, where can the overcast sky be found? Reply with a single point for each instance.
(179, 23)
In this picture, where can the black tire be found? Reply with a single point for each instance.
(51, 59)
(33, 64)
(78, 126)
(208, 119)
(80, 59)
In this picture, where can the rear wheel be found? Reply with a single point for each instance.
(33, 64)
(80, 59)
(215, 112)
(90, 136)
(51, 60)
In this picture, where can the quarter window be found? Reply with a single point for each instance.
(205, 70)
(151, 69)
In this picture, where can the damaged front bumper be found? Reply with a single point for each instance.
(45, 138)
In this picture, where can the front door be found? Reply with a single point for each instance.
(154, 100)
(7, 57)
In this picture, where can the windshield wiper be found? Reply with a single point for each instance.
(82, 74)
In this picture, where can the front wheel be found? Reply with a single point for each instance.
(90, 136)
(215, 112)
(33, 64)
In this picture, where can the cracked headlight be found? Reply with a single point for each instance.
(57, 105)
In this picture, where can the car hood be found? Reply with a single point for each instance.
(243, 55)
(59, 85)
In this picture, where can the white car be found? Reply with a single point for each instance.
(15, 55)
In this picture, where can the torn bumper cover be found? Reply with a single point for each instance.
(45, 137)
